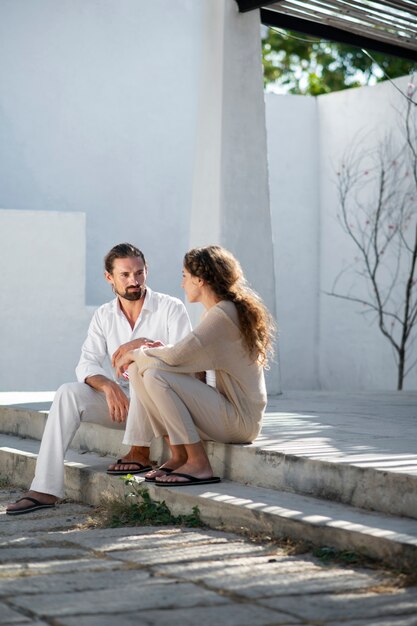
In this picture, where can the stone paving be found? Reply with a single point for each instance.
(54, 572)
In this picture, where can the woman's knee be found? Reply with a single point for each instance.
(154, 378)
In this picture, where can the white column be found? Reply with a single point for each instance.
(230, 202)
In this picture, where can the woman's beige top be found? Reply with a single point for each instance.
(216, 344)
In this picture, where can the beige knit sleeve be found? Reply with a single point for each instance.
(187, 356)
(196, 352)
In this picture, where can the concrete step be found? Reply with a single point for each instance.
(235, 506)
(282, 459)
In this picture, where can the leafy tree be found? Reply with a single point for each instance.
(304, 65)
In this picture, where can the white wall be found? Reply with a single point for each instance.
(364, 358)
(97, 114)
(104, 109)
(325, 342)
(148, 118)
(43, 319)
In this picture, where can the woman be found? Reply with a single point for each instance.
(233, 339)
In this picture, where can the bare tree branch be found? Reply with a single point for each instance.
(377, 191)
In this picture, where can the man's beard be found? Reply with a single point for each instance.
(131, 295)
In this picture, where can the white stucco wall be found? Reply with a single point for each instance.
(150, 122)
(325, 343)
(104, 110)
(97, 114)
(353, 352)
(43, 318)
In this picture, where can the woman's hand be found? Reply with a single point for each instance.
(133, 345)
(154, 344)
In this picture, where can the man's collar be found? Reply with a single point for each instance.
(149, 303)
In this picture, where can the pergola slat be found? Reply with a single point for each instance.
(386, 25)
(319, 17)
(318, 28)
(321, 8)
(354, 8)
(355, 17)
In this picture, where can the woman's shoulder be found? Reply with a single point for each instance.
(227, 309)
(219, 324)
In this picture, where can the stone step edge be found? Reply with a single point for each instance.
(27, 423)
(363, 487)
(235, 507)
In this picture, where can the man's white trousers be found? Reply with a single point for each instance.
(73, 403)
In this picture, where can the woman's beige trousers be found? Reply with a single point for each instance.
(182, 407)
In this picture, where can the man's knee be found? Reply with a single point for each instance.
(79, 401)
(74, 396)
(70, 390)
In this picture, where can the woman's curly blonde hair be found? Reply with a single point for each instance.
(222, 272)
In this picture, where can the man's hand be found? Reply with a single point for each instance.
(133, 345)
(201, 376)
(117, 401)
(123, 362)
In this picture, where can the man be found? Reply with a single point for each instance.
(137, 316)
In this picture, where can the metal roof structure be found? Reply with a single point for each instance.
(388, 26)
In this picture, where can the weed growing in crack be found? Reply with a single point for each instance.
(137, 508)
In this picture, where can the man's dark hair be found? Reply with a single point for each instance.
(121, 251)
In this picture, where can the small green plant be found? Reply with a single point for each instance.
(137, 508)
(4, 482)
(328, 555)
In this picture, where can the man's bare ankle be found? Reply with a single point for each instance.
(138, 451)
(43, 497)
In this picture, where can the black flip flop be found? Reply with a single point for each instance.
(35, 506)
(191, 480)
(141, 468)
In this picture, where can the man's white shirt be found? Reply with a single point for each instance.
(162, 318)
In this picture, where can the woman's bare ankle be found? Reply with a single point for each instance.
(172, 463)
(199, 470)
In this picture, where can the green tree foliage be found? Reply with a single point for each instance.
(304, 65)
